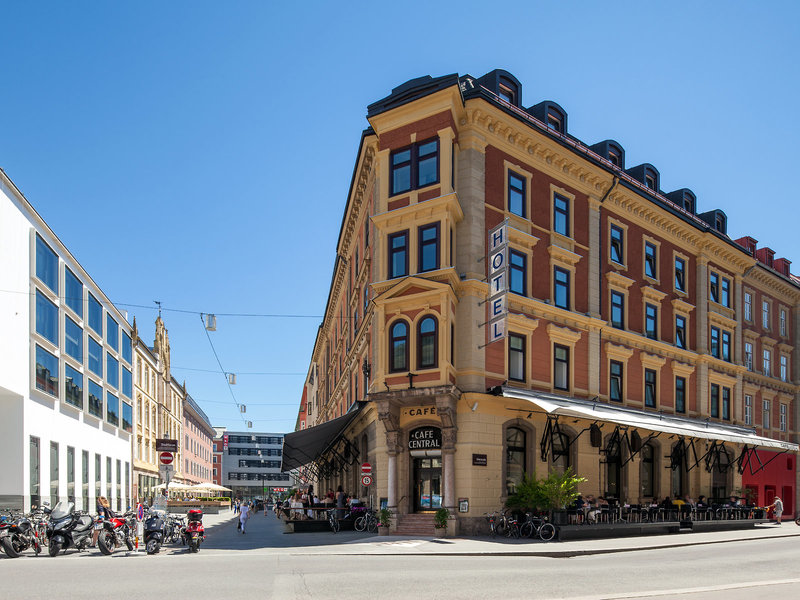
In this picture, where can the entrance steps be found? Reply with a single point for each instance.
(415, 524)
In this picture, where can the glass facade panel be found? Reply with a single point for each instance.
(46, 318)
(95, 357)
(73, 292)
(73, 387)
(127, 349)
(127, 382)
(46, 265)
(112, 371)
(46, 372)
(112, 332)
(70, 474)
(73, 339)
(54, 456)
(127, 417)
(95, 315)
(95, 399)
(33, 472)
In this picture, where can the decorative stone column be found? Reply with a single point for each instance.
(446, 409)
(388, 416)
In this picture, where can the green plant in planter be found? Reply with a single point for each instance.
(440, 518)
(384, 516)
(554, 492)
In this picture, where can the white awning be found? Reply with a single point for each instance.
(602, 411)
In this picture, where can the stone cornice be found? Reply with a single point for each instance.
(772, 285)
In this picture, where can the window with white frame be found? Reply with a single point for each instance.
(783, 322)
(784, 367)
(767, 368)
(765, 314)
(765, 414)
(748, 306)
(748, 356)
(783, 418)
(748, 410)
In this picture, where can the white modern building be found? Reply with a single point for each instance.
(251, 463)
(66, 383)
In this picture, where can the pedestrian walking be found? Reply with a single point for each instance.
(777, 509)
(244, 514)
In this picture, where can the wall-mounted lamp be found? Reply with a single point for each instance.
(474, 407)
(366, 368)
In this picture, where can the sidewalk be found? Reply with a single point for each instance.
(267, 535)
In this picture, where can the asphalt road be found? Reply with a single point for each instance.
(266, 563)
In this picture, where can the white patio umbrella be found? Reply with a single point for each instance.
(208, 487)
(174, 486)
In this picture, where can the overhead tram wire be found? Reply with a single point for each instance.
(224, 373)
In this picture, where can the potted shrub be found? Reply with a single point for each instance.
(384, 520)
(440, 519)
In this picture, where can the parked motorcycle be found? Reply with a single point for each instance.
(68, 528)
(154, 531)
(194, 533)
(21, 534)
(115, 531)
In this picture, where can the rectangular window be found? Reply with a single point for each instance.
(127, 382)
(98, 461)
(108, 477)
(73, 339)
(46, 371)
(650, 261)
(561, 291)
(651, 321)
(95, 399)
(783, 418)
(95, 357)
(617, 245)
(713, 288)
(73, 387)
(784, 367)
(112, 408)
(680, 331)
(414, 167)
(715, 342)
(95, 315)
(748, 356)
(33, 472)
(70, 474)
(748, 306)
(428, 248)
(726, 346)
(617, 310)
(615, 381)
(46, 318)
(748, 410)
(650, 388)
(680, 394)
(561, 367)
(783, 323)
(765, 314)
(680, 274)
(517, 272)
(112, 332)
(398, 255)
(127, 350)
(73, 292)
(112, 371)
(766, 418)
(516, 194)
(516, 357)
(119, 484)
(726, 404)
(561, 215)
(767, 363)
(85, 479)
(54, 491)
(725, 292)
(46, 265)
(714, 408)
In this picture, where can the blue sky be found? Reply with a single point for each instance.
(200, 153)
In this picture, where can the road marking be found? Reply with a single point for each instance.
(679, 591)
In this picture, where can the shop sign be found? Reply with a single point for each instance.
(166, 445)
(480, 460)
(498, 281)
(420, 411)
(425, 438)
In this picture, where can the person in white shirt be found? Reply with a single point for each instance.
(777, 509)
(244, 515)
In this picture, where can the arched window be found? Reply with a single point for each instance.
(398, 347)
(648, 471)
(561, 459)
(428, 349)
(516, 457)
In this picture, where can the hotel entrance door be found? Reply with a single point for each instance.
(427, 484)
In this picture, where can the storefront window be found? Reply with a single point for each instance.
(515, 458)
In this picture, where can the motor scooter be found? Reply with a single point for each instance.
(154, 531)
(194, 533)
(116, 531)
(68, 528)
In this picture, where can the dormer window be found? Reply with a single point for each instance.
(650, 181)
(615, 158)
(507, 94)
(719, 223)
(688, 204)
(555, 122)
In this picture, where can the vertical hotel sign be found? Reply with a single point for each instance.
(498, 281)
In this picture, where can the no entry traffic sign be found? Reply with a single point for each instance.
(366, 480)
(366, 468)
(166, 458)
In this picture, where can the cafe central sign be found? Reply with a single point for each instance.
(425, 438)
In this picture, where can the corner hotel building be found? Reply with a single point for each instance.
(636, 343)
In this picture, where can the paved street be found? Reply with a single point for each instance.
(266, 563)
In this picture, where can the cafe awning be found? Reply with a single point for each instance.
(307, 445)
(556, 405)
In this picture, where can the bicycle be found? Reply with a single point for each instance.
(496, 527)
(333, 521)
(537, 526)
(367, 522)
